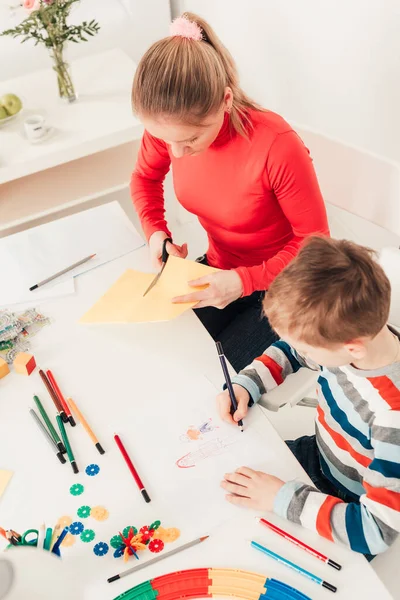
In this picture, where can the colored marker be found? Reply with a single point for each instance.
(50, 426)
(47, 435)
(56, 547)
(291, 565)
(53, 396)
(301, 544)
(86, 426)
(228, 381)
(67, 444)
(61, 398)
(158, 558)
(132, 469)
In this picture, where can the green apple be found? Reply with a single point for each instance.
(11, 103)
(3, 113)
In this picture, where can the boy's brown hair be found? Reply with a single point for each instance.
(333, 292)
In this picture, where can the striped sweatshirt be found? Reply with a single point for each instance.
(358, 437)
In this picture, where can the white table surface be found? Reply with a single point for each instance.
(113, 369)
(101, 118)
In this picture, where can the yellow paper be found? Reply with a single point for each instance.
(124, 301)
(5, 477)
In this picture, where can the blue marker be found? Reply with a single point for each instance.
(56, 547)
(295, 567)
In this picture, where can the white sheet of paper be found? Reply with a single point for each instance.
(32, 255)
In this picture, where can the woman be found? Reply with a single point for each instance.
(240, 168)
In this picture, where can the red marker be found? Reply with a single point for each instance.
(132, 469)
(301, 544)
(61, 398)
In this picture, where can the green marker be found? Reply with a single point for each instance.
(49, 425)
(67, 444)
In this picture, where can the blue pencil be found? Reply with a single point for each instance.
(295, 567)
(56, 547)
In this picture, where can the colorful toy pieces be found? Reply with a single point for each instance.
(4, 368)
(212, 583)
(131, 541)
(24, 363)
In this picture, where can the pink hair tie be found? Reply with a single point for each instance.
(184, 28)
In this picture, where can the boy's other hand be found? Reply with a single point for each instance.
(224, 404)
(251, 489)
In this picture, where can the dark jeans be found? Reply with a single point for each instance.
(241, 327)
(306, 451)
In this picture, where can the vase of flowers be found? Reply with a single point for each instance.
(47, 24)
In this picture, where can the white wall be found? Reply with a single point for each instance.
(331, 66)
(129, 24)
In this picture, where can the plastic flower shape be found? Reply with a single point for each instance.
(31, 4)
(100, 549)
(92, 470)
(76, 489)
(119, 552)
(76, 528)
(182, 27)
(83, 512)
(88, 535)
(147, 533)
(156, 545)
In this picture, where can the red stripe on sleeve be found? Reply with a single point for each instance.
(383, 496)
(274, 368)
(341, 442)
(323, 523)
(387, 390)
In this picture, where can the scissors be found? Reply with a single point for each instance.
(31, 538)
(164, 258)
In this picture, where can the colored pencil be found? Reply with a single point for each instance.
(291, 565)
(132, 469)
(86, 426)
(47, 435)
(61, 398)
(158, 558)
(228, 381)
(67, 444)
(53, 396)
(50, 426)
(66, 270)
(41, 536)
(58, 542)
(301, 544)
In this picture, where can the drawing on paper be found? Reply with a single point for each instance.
(194, 433)
(206, 450)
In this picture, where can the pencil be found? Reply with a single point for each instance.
(132, 469)
(47, 435)
(50, 426)
(228, 381)
(301, 544)
(291, 565)
(58, 542)
(158, 558)
(86, 426)
(53, 396)
(67, 444)
(61, 398)
(77, 264)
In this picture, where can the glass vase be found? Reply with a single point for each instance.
(66, 88)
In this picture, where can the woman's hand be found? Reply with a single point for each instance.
(156, 244)
(251, 489)
(224, 404)
(222, 288)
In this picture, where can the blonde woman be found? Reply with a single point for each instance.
(240, 168)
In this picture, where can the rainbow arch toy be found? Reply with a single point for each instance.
(212, 583)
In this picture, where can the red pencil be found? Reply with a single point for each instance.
(132, 469)
(61, 398)
(53, 396)
(301, 544)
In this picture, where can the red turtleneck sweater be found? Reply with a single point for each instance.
(256, 198)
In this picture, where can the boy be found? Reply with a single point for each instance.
(330, 307)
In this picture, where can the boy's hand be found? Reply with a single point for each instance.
(251, 489)
(224, 404)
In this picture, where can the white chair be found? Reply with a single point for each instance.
(367, 186)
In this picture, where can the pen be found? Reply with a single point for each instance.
(132, 469)
(77, 264)
(228, 381)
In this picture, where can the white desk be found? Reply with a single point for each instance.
(91, 152)
(113, 369)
